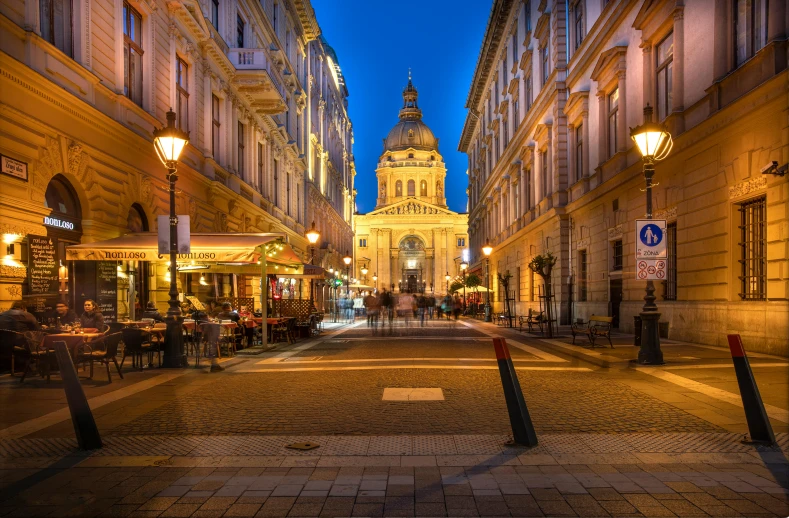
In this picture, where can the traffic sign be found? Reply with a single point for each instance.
(651, 269)
(651, 239)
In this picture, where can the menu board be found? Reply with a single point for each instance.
(42, 271)
(107, 289)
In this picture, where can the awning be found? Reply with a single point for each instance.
(475, 289)
(358, 286)
(205, 248)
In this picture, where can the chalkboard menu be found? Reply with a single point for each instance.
(42, 268)
(107, 289)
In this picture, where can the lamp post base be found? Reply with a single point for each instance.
(174, 353)
(650, 353)
(487, 313)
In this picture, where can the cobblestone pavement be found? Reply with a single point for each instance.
(615, 440)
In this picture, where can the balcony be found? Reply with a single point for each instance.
(255, 81)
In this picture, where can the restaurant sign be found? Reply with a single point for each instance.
(58, 223)
(108, 254)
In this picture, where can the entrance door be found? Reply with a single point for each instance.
(412, 283)
(615, 298)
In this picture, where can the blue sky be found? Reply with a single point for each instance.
(376, 42)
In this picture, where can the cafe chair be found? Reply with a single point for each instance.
(135, 343)
(116, 327)
(209, 341)
(36, 354)
(105, 328)
(227, 338)
(102, 350)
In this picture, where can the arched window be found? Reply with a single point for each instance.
(423, 188)
(411, 188)
(399, 188)
(61, 198)
(136, 221)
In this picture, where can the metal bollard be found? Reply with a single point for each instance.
(522, 428)
(758, 422)
(81, 416)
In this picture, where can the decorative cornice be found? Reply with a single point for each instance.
(756, 183)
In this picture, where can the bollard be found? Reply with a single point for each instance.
(522, 428)
(758, 422)
(81, 416)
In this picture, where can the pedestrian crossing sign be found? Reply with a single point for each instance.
(650, 239)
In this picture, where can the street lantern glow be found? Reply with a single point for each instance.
(487, 249)
(347, 259)
(364, 270)
(169, 142)
(653, 141)
(464, 265)
(313, 235)
(375, 277)
(447, 277)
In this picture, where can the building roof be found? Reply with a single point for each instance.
(410, 132)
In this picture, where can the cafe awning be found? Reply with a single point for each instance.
(229, 248)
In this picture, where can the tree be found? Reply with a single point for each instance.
(473, 280)
(542, 265)
(455, 286)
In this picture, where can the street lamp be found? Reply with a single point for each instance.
(463, 268)
(347, 260)
(447, 277)
(654, 143)
(375, 280)
(169, 142)
(487, 249)
(312, 236)
(364, 273)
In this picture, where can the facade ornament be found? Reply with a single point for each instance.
(220, 222)
(667, 213)
(748, 186)
(172, 30)
(18, 272)
(616, 232)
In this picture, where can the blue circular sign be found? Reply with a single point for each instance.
(650, 235)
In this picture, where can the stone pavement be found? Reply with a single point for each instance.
(615, 439)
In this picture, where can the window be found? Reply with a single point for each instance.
(411, 188)
(423, 188)
(240, 31)
(215, 127)
(528, 93)
(615, 204)
(506, 128)
(527, 201)
(182, 92)
(514, 45)
(670, 284)
(750, 28)
(531, 285)
(215, 13)
(276, 182)
(274, 16)
(665, 58)
(617, 259)
(516, 116)
(578, 24)
(544, 64)
(518, 282)
(545, 179)
(753, 249)
(583, 270)
(240, 149)
(579, 152)
(57, 24)
(613, 121)
(363, 242)
(287, 192)
(132, 54)
(461, 242)
(260, 165)
(505, 75)
(399, 188)
(527, 21)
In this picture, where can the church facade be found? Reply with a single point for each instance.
(411, 241)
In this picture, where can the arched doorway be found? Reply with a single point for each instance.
(133, 287)
(64, 227)
(413, 267)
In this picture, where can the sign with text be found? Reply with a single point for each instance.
(184, 246)
(650, 239)
(13, 167)
(107, 289)
(651, 269)
(42, 271)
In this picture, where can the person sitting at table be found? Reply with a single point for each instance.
(228, 313)
(92, 317)
(18, 319)
(64, 315)
(152, 313)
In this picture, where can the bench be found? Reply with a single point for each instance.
(534, 318)
(597, 326)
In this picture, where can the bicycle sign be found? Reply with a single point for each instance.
(650, 239)
(651, 269)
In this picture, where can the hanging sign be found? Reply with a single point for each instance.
(650, 239)
(651, 269)
(183, 231)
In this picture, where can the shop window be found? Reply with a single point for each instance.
(132, 54)
(665, 65)
(57, 24)
(753, 249)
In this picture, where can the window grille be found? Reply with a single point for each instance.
(753, 249)
(617, 263)
(670, 284)
(583, 267)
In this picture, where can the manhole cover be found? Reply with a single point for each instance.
(302, 446)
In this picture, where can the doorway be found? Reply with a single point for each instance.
(615, 298)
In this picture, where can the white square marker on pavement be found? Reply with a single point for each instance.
(413, 394)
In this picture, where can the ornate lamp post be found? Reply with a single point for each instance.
(654, 143)
(447, 277)
(364, 273)
(375, 281)
(487, 249)
(463, 268)
(312, 236)
(347, 260)
(169, 142)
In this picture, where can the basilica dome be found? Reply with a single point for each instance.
(410, 131)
